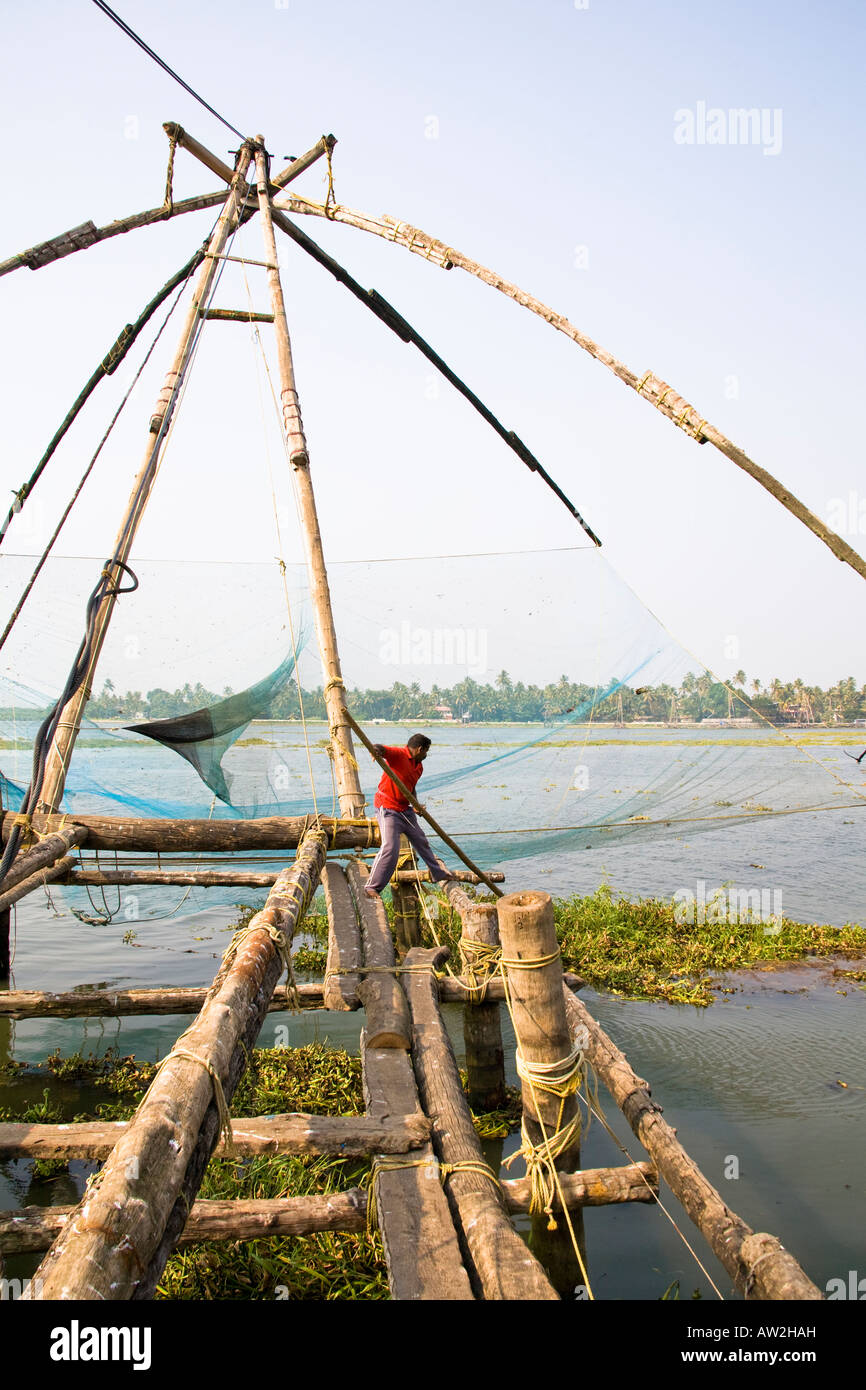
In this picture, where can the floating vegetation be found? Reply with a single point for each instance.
(652, 949)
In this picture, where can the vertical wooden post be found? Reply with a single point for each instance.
(57, 761)
(543, 1038)
(5, 950)
(482, 1033)
(345, 766)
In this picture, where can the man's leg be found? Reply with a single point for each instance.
(386, 860)
(419, 842)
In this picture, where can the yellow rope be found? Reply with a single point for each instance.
(480, 963)
(388, 1163)
(469, 1165)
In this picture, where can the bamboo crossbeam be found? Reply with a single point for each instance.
(500, 1265)
(116, 1245)
(237, 316)
(422, 1254)
(186, 836)
(652, 388)
(352, 1136)
(457, 876)
(31, 1229)
(759, 1265)
(122, 1003)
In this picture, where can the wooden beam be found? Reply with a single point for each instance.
(349, 791)
(353, 1136)
(500, 1265)
(758, 1264)
(388, 1023)
(342, 981)
(187, 836)
(422, 1254)
(30, 1229)
(237, 316)
(34, 1228)
(94, 1003)
(119, 1003)
(117, 1243)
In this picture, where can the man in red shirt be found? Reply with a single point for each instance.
(396, 817)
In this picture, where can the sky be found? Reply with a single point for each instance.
(574, 148)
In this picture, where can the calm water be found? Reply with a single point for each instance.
(755, 1078)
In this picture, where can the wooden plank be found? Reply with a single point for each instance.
(388, 1023)
(759, 1265)
(590, 1187)
(500, 1264)
(344, 942)
(116, 1245)
(188, 836)
(352, 1136)
(421, 1248)
(34, 1228)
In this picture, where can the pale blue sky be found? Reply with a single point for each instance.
(735, 274)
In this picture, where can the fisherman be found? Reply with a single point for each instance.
(396, 817)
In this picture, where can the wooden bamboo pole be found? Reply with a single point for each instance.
(31, 1003)
(345, 767)
(124, 1229)
(528, 935)
(30, 1229)
(499, 1263)
(211, 836)
(43, 854)
(57, 761)
(759, 1265)
(34, 1228)
(51, 873)
(651, 387)
(422, 1254)
(122, 1003)
(482, 1031)
(5, 945)
(353, 1136)
(421, 810)
(388, 1023)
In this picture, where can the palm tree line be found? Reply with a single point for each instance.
(699, 697)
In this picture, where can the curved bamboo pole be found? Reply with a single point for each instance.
(656, 391)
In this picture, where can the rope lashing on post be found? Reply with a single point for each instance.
(480, 963)
(168, 201)
(561, 1078)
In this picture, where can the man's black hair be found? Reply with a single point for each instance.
(419, 741)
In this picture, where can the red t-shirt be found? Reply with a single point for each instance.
(388, 794)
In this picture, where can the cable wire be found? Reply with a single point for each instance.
(130, 33)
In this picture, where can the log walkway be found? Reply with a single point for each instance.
(445, 1218)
